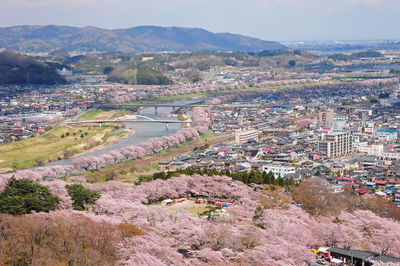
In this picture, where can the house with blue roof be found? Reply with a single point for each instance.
(386, 135)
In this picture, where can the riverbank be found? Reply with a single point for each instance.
(103, 115)
(129, 171)
(108, 141)
(60, 142)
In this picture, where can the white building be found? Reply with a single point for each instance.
(336, 144)
(369, 128)
(340, 117)
(242, 136)
(376, 150)
(282, 169)
(386, 135)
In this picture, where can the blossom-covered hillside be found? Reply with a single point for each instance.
(261, 226)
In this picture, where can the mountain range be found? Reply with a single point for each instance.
(141, 39)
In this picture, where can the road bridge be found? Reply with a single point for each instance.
(137, 106)
(149, 120)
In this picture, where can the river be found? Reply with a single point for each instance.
(143, 131)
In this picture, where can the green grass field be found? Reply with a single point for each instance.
(51, 145)
(92, 115)
(60, 142)
(102, 114)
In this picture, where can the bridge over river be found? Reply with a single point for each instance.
(145, 105)
(145, 120)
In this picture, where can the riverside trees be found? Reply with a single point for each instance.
(87, 163)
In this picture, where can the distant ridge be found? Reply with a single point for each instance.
(140, 39)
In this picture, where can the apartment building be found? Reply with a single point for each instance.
(242, 136)
(325, 118)
(336, 144)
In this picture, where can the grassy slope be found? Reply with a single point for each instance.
(102, 114)
(49, 146)
(92, 115)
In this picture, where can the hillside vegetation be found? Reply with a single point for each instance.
(353, 56)
(20, 69)
(138, 76)
(190, 65)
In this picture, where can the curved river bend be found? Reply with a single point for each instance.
(143, 131)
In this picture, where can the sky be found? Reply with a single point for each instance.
(280, 20)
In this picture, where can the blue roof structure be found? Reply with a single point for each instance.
(387, 130)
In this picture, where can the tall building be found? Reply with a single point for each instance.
(325, 118)
(242, 136)
(336, 144)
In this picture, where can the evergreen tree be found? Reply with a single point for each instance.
(24, 196)
(82, 196)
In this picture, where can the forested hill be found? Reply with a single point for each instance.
(20, 69)
(137, 40)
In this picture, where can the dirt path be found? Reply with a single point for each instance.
(140, 163)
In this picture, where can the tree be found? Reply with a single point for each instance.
(194, 75)
(107, 70)
(258, 217)
(270, 178)
(128, 230)
(24, 196)
(82, 196)
(65, 239)
(160, 175)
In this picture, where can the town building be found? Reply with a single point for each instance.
(325, 118)
(279, 169)
(386, 135)
(243, 136)
(336, 144)
(363, 147)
